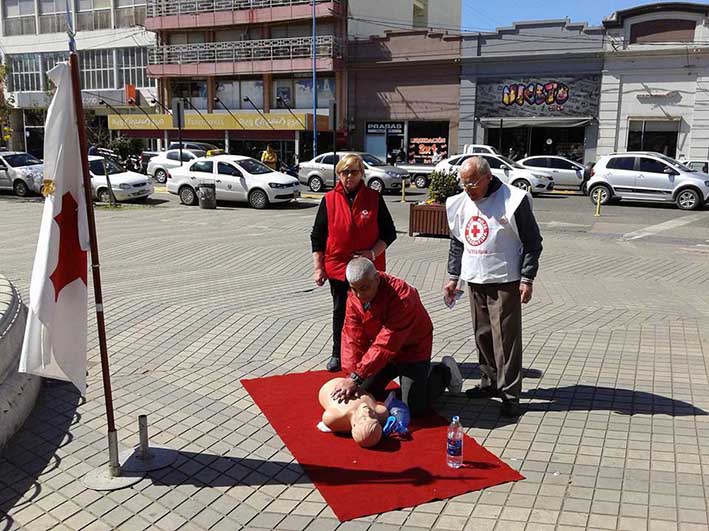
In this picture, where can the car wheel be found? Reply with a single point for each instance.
(103, 195)
(522, 185)
(188, 196)
(161, 176)
(20, 188)
(688, 199)
(315, 184)
(258, 199)
(421, 181)
(377, 185)
(600, 190)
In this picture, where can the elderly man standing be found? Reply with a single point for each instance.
(387, 334)
(495, 247)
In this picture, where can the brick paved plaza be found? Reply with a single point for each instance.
(615, 431)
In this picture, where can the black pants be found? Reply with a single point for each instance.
(339, 290)
(420, 385)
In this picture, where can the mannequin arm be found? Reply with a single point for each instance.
(334, 419)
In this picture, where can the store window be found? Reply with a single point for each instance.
(654, 135)
(253, 89)
(304, 92)
(229, 94)
(195, 91)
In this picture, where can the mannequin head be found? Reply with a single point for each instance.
(366, 430)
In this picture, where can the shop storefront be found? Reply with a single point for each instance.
(549, 115)
(409, 141)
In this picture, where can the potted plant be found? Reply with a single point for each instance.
(429, 218)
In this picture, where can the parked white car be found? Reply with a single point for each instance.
(236, 178)
(160, 164)
(506, 170)
(20, 172)
(701, 165)
(473, 149)
(566, 173)
(319, 173)
(648, 176)
(126, 185)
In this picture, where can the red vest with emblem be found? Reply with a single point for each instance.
(350, 229)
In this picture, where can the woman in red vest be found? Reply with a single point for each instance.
(352, 220)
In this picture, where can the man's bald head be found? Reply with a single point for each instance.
(475, 176)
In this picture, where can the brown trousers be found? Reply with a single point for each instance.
(497, 320)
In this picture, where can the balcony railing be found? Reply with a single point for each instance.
(163, 8)
(236, 51)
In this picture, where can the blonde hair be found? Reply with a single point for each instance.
(349, 162)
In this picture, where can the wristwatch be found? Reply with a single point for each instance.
(356, 378)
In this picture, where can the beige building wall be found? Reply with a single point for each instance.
(374, 17)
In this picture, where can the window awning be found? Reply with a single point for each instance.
(537, 121)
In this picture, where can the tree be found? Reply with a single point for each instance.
(5, 129)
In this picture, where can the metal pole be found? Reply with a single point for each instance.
(143, 434)
(499, 140)
(114, 467)
(315, 84)
(334, 144)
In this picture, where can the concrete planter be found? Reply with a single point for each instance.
(18, 392)
(428, 220)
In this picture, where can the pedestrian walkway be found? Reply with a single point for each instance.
(615, 433)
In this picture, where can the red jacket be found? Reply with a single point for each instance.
(395, 328)
(350, 229)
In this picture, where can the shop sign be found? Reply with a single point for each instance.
(421, 149)
(549, 96)
(233, 121)
(392, 128)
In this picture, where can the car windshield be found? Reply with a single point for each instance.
(371, 160)
(254, 167)
(511, 163)
(21, 159)
(97, 167)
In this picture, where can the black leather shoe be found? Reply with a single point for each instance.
(481, 392)
(510, 408)
(333, 364)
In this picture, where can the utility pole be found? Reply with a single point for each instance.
(315, 83)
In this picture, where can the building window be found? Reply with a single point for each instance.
(132, 63)
(283, 88)
(19, 18)
(254, 90)
(662, 31)
(97, 69)
(654, 135)
(229, 93)
(25, 72)
(304, 92)
(194, 90)
(420, 17)
(130, 13)
(93, 15)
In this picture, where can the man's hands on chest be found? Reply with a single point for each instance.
(345, 390)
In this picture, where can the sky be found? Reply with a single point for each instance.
(489, 14)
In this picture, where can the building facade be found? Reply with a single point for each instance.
(244, 70)
(113, 53)
(542, 100)
(368, 18)
(403, 94)
(655, 83)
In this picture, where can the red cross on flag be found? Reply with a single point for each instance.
(55, 336)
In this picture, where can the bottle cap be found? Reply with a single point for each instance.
(456, 419)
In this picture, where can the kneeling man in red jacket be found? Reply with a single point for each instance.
(387, 334)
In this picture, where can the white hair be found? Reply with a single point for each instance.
(359, 269)
(478, 165)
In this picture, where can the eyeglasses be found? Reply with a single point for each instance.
(473, 186)
(351, 172)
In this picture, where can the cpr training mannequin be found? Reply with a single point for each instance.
(361, 415)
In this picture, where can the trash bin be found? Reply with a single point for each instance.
(207, 195)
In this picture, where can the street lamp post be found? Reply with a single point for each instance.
(248, 100)
(315, 83)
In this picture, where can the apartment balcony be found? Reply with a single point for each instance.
(189, 14)
(245, 57)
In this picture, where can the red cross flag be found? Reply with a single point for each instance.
(55, 336)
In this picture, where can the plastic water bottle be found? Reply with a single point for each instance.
(454, 447)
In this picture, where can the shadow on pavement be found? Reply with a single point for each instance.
(471, 371)
(32, 452)
(621, 401)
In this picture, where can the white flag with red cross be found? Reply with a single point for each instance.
(55, 336)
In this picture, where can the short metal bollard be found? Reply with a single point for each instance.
(207, 195)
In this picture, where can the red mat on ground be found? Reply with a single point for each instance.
(356, 481)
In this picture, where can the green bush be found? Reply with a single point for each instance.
(443, 184)
(124, 146)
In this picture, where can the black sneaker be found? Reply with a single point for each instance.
(333, 364)
(488, 391)
(510, 408)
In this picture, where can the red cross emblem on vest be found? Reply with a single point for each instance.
(476, 231)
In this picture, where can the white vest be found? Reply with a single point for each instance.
(487, 228)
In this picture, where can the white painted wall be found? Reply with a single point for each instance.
(397, 15)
